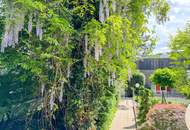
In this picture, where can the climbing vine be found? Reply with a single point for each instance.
(79, 52)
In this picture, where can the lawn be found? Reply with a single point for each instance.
(178, 100)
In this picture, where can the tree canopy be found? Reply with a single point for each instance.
(164, 77)
(180, 46)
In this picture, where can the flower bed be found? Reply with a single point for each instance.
(167, 117)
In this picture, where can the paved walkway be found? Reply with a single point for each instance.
(124, 118)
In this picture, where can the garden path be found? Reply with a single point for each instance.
(124, 117)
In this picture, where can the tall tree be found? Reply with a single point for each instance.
(180, 46)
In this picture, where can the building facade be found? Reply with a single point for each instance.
(148, 65)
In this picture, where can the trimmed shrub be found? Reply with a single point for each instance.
(167, 117)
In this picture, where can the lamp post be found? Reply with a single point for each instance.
(137, 85)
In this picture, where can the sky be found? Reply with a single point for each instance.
(179, 14)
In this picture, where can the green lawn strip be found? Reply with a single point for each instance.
(175, 100)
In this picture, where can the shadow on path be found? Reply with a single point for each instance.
(122, 107)
(124, 117)
(130, 127)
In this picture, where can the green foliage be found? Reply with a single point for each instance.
(185, 89)
(175, 100)
(164, 77)
(180, 54)
(107, 112)
(180, 46)
(57, 57)
(145, 102)
(137, 78)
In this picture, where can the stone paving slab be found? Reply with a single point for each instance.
(124, 117)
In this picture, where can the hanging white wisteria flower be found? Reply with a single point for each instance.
(30, 23)
(68, 70)
(114, 6)
(12, 28)
(107, 10)
(85, 65)
(113, 78)
(100, 51)
(109, 80)
(19, 21)
(61, 92)
(85, 54)
(101, 12)
(113, 75)
(16, 36)
(39, 31)
(66, 39)
(129, 74)
(112, 81)
(52, 100)
(42, 89)
(97, 51)
(86, 43)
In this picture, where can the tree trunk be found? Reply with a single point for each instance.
(163, 97)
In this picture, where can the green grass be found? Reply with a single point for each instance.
(175, 100)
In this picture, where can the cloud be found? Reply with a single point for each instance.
(179, 15)
(180, 2)
(176, 10)
(162, 50)
(173, 17)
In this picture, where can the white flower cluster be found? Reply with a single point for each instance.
(85, 63)
(12, 28)
(30, 23)
(97, 51)
(61, 92)
(52, 100)
(39, 31)
(15, 24)
(111, 79)
(104, 10)
(129, 74)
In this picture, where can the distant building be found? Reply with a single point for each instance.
(148, 65)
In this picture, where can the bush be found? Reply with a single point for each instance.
(145, 102)
(185, 89)
(107, 112)
(136, 78)
(167, 117)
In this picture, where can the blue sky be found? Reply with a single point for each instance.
(179, 14)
